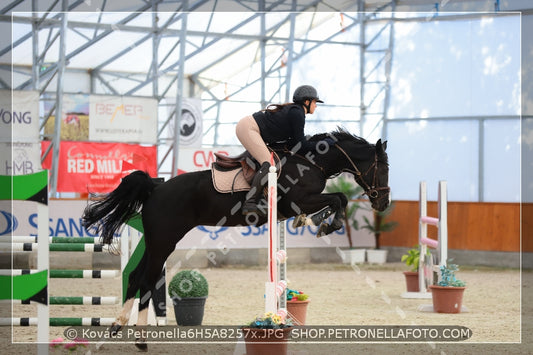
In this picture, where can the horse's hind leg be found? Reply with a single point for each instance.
(147, 286)
(133, 287)
(157, 253)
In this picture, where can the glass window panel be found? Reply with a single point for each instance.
(433, 151)
(456, 68)
(501, 170)
(527, 160)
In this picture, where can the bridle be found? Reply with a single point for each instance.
(370, 191)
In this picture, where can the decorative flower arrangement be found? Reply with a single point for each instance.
(72, 346)
(294, 295)
(270, 321)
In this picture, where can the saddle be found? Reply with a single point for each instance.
(233, 174)
(243, 160)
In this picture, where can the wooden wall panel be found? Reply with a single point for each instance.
(527, 227)
(471, 226)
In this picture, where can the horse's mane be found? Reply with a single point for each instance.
(340, 135)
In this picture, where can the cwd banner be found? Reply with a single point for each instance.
(123, 119)
(195, 159)
(97, 167)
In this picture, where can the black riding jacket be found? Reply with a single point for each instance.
(285, 125)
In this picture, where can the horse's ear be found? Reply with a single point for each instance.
(381, 146)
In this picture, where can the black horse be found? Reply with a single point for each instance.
(171, 209)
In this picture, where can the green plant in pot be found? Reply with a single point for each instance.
(189, 290)
(379, 225)
(447, 294)
(412, 260)
(353, 192)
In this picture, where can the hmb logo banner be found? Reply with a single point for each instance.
(20, 158)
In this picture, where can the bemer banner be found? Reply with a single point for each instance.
(123, 119)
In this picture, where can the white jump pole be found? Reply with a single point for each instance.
(276, 285)
(43, 263)
(423, 240)
(441, 245)
(271, 304)
(443, 223)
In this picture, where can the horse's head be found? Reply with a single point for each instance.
(369, 165)
(378, 179)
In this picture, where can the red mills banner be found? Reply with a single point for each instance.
(98, 167)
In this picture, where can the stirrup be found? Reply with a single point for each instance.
(249, 207)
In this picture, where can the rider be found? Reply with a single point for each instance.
(276, 123)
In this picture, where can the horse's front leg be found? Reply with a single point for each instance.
(319, 219)
(325, 204)
(338, 220)
(315, 220)
(336, 224)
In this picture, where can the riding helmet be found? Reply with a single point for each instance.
(305, 92)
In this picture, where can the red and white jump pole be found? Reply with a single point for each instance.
(275, 287)
(425, 269)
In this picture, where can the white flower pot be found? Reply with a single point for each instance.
(376, 256)
(353, 256)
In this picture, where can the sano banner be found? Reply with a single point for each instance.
(19, 218)
(98, 167)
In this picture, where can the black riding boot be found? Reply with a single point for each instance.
(253, 196)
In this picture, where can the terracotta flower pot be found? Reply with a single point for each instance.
(411, 281)
(297, 311)
(266, 341)
(447, 299)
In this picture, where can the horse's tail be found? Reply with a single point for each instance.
(109, 214)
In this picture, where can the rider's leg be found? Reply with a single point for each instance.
(254, 195)
(248, 133)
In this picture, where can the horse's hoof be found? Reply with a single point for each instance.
(299, 221)
(141, 344)
(115, 328)
(322, 230)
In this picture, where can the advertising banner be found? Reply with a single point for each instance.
(196, 159)
(19, 116)
(123, 119)
(97, 167)
(74, 118)
(65, 221)
(20, 158)
(191, 125)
